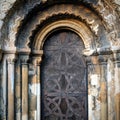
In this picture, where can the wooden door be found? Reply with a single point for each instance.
(63, 77)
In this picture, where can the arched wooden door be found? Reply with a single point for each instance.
(63, 76)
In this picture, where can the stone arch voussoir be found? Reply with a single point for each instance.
(104, 9)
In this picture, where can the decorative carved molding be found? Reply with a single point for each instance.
(103, 8)
(5, 6)
(24, 59)
(116, 4)
(113, 37)
(36, 58)
(106, 11)
(110, 19)
(73, 25)
(12, 23)
(90, 19)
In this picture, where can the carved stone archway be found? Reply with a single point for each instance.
(73, 25)
(69, 24)
(23, 33)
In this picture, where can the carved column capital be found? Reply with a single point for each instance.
(103, 59)
(23, 55)
(36, 60)
(11, 58)
(32, 67)
(116, 56)
(98, 59)
(37, 57)
(24, 59)
(92, 60)
(88, 52)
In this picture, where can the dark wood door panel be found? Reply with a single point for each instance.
(63, 75)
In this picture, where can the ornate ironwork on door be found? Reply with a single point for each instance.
(63, 75)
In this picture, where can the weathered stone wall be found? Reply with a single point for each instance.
(5, 6)
(24, 26)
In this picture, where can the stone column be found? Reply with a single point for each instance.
(3, 100)
(10, 85)
(24, 72)
(34, 88)
(111, 88)
(103, 86)
(117, 85)
(3, 90)
(38, 115)
(18, 95)
(93, 88)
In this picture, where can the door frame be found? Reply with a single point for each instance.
(85, 68)
(71, 24)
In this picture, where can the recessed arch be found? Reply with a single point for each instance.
(70, 24)
(14, 21)
(22, 37)
(56, 13)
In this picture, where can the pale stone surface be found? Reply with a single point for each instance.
(93, 93)
(111, 90)
(5, 5)
(117, 80)
(95, 80)
(11, 91)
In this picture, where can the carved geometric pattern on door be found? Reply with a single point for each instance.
(63, 76)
